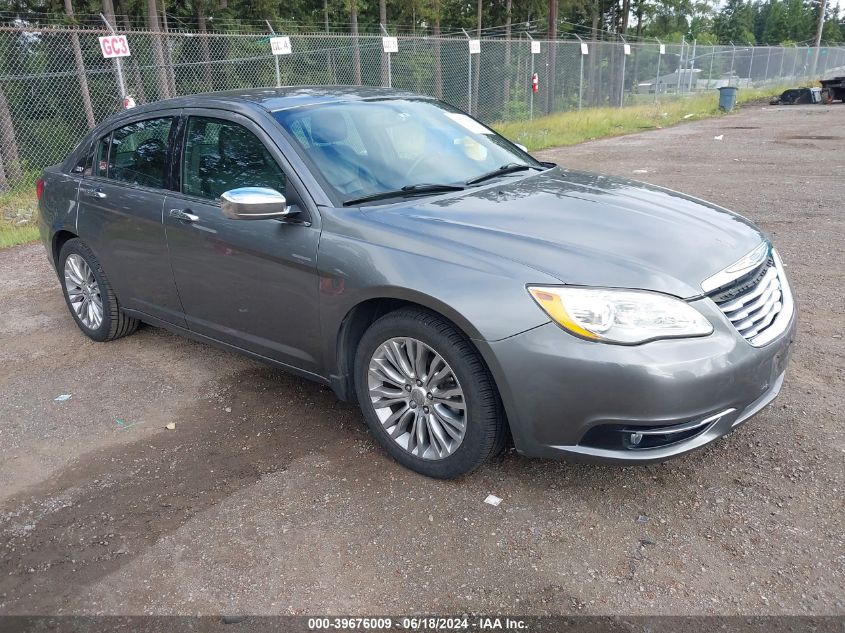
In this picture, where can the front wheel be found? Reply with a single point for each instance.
(427, 396)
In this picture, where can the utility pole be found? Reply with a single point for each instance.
(819, 30)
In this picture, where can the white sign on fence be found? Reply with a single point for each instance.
(535, 48)
(280, 45)
(663, 49)
(114, 46)
(390, 44)
(474, 47)
(627, 49)
(584, 49)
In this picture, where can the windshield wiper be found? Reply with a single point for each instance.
(501, 171)
(407, 190)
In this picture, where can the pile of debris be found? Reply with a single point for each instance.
(831, 90)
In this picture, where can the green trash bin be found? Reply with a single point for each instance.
(727, 98)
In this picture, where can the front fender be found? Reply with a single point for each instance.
(487, 302)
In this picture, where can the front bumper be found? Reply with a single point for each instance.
(559, 390)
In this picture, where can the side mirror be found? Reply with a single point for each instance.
(522, 147)
(255, 203)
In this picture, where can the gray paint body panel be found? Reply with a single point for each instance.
(282, 292)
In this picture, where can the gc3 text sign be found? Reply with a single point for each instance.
(114, 46)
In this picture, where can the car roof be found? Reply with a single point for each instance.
(268, 99)
(273, 99)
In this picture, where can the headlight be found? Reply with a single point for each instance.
(620, 316)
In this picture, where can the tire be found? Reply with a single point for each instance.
(113, 322)
(485, 430)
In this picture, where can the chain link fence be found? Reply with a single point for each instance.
(55, 84)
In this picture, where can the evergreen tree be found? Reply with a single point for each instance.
(775, 28)
(735, 22)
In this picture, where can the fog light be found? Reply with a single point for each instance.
(636, 438)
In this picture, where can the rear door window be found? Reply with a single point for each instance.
(137, 153)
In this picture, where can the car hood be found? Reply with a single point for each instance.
(587, 229)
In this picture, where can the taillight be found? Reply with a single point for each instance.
(39, 188)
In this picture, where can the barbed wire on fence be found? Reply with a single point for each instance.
(55, 84)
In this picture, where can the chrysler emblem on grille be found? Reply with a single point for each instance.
(745, 263)
(754, 258)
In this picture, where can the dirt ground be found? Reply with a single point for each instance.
(270, 497)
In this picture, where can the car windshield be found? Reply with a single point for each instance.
(368, 149)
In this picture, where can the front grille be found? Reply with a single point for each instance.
(752, 301)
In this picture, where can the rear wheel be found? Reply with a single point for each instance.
(427, 396)
(89, 295)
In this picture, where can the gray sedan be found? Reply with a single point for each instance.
(401, 252)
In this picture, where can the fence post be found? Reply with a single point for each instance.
(731, 70)
(624, 59)
(692, 66)
(768, 59)
(794, 60)
(531, 92)
(469, 74)
(751, 65)
(657, 79)
(710, 75)
(680, 64)
(807, 70)
(118, 68)
(389, 70)
(581, 72)
(275, 57)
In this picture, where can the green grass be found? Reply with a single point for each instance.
(14, 235)
(18, 221)
(569, 128)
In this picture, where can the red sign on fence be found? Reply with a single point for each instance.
(114, 46)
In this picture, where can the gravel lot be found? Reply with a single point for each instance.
(271, 497)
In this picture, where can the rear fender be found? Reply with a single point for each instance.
(58, 209)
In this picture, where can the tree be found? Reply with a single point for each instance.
(507, 75)
(552, 35)
(799, 22)
(735, 22)
(356, 48)
(205, 51)
(833, 31)
(775, 28)
(80, 70)
(382, 21)
(438, 62)
(154, 24)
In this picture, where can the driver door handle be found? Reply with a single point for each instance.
(92, 192)
(183, 215)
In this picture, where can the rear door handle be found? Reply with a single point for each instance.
(183, 215)
(92, 192)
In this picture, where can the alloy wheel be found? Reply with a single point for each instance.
(417, 398)
(83, 292)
